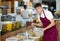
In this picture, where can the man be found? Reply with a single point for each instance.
(47, 20)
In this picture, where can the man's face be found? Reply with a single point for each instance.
(39, 9)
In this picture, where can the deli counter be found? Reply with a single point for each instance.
(12, 28)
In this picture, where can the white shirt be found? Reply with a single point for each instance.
(48, 15)
(25, 13)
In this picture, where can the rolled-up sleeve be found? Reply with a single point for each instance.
(49, 15)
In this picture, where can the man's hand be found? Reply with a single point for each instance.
(33, 24)
(44, 29)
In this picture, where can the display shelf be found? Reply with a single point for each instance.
(9, 34)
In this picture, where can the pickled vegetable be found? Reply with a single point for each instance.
(9, 27)
(17, 25)
(4, 28)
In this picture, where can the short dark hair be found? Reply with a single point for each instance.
(37, 5)
(25, 6)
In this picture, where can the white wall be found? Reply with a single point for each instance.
(15, 6)
(37, 1)
(57, 5)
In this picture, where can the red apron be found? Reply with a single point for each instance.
(50, 34)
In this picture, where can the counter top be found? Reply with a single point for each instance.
(9, 34)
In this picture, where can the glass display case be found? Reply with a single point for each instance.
(7, 18)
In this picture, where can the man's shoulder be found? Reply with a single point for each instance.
(47, 11)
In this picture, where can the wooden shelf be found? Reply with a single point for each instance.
(3, 37)
(12, 5)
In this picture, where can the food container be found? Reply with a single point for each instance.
(38, 31)
(17, 24)
(4, 28)
(8, 18)
(36, 34)
(1, 25)
(36, 20)
(7, 27)
(15, 38)
(11, 39)
(0, 32)
(28, 39)
(4, 18)
(23, 23)
(28, 23)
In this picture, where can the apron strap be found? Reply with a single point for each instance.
(44, 13)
